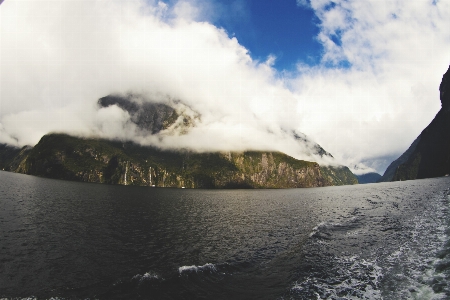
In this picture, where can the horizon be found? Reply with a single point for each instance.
(361, 79)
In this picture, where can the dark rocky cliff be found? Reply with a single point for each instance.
(431, 155)
(92, 160)
(392, 168)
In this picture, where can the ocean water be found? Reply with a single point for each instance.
(68, 240)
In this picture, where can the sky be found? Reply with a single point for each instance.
(283, 29)
(359, 77)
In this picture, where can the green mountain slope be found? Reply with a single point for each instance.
(10, 157)
(94, 160)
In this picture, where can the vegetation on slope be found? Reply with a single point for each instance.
(94, 160)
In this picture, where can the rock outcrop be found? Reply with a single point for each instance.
(153, 117)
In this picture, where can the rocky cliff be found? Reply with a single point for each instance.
(392, 168)
(93, 160)
(429, 155)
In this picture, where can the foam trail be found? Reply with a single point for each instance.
(189, 269)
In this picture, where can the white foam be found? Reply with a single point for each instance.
(205, 267)
(315, 229)
(407, 272)
(147, 276)
(418, 259)
(323, 225)
(357, 279)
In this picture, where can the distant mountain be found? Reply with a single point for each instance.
(429, 154)
(368, 178)
(62, 156)
(10, 157)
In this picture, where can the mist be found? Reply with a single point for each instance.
(375, 89)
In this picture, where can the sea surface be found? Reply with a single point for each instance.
(69, 240)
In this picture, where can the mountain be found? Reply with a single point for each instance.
(368, 178)
(392, 168)
(153, 117)
(316, 148)
(176, 118)
(10, 157)
(62, 156)
(429, 154)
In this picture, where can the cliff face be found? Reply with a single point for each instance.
(431, 155)
(92, 160)
(444, 91)
(392, 168)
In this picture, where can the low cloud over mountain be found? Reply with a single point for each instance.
(369, 97)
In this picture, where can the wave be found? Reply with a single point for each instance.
(355, 278)
(149, 276)
(402, 258)
(191, 269)
(420, 267)
(325, 229)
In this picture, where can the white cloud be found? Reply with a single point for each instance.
(398, 52)
(58, 58)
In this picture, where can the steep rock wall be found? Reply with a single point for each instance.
(431, 156)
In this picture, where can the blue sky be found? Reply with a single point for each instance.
(273, 27)
(359, 77)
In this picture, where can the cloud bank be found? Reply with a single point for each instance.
(374, 91)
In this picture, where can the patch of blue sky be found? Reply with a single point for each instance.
(280, 28)
(284, 29)
(272, 27)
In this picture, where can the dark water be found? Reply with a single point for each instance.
(67, 240)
